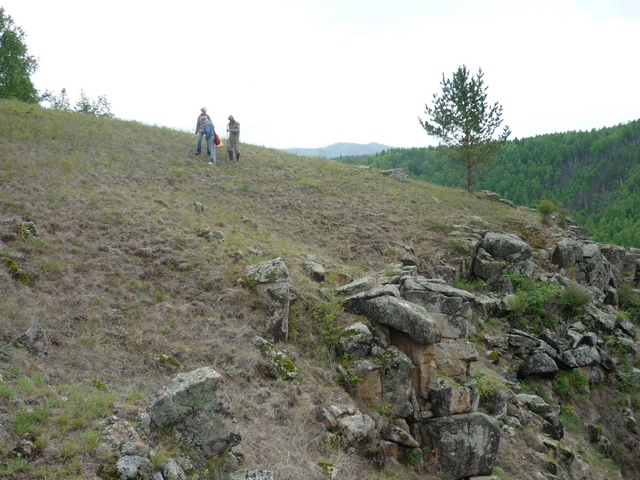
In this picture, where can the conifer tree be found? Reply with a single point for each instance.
(465, 123)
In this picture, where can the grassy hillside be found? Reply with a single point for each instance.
(120, 278)
(594, 174)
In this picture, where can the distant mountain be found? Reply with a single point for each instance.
(340, 149)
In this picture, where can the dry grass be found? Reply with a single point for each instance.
(120, 276)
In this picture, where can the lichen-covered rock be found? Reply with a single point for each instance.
(134, 467)
(404, 316)
(538, 365)
(253, 475)
(507, 247)
(172, 471)
(316, 271)
(278, 364)
(467, 444)
(357, 431)
(452, 399)
(193, 410)
(355, 340)
(355, 303)
(356, 286)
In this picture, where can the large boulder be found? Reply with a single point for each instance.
(438, 297)
(356, 340)
(507, 247)
(539, 365)
(404, 316)
(386, 381)
(191, 408)
(467, 444)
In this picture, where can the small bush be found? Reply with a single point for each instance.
(545, 209)
(488, 385)
(571, 383)
(575, 298)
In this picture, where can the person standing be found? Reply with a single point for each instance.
(210, 133)
(200, 130)
(233, 141)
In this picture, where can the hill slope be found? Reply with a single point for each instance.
(595, 174)
(131, 289)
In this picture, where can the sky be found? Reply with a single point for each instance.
(310, 73)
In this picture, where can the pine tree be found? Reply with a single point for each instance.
(465, 123)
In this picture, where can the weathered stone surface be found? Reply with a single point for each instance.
(253, 475)
(404, 316)
(356, 286)
(191, 408)
(370, 388)
(485, 266)
(579, 357)
(278, 364)
(467, 444)
(356, 340)
(172, 471)
(454, 357)
(539, 365)
(453, 399)
(436, 297)
(271, 280)
(316, 271)
(278, 315)
(550, 414)
(357, 430)
(138, 468)
(119, 436)
(398, 435)
(355, 303)
(397, 374)
(605, 321)
(269, 272)
(568, 252)
(506, 247)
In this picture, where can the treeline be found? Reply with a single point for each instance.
(596, 175)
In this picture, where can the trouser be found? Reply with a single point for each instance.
(199, 148)
(211, 150)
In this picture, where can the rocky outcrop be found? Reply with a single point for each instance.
(194, 411)
(271, 280)
(467, 444)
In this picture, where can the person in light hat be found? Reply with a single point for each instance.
(203, 117)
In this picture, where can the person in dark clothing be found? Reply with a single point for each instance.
(233, 142)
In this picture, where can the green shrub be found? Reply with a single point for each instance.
(488, 385)
(545, 209)
(571, 383)
(574, 298)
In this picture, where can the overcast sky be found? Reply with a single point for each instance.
(309, 73)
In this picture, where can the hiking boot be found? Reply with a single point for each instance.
(237, 157)
(230, 156)
(197, 153)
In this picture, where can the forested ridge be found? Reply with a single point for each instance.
(595, 174)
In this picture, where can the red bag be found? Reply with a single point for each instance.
(216, 140)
